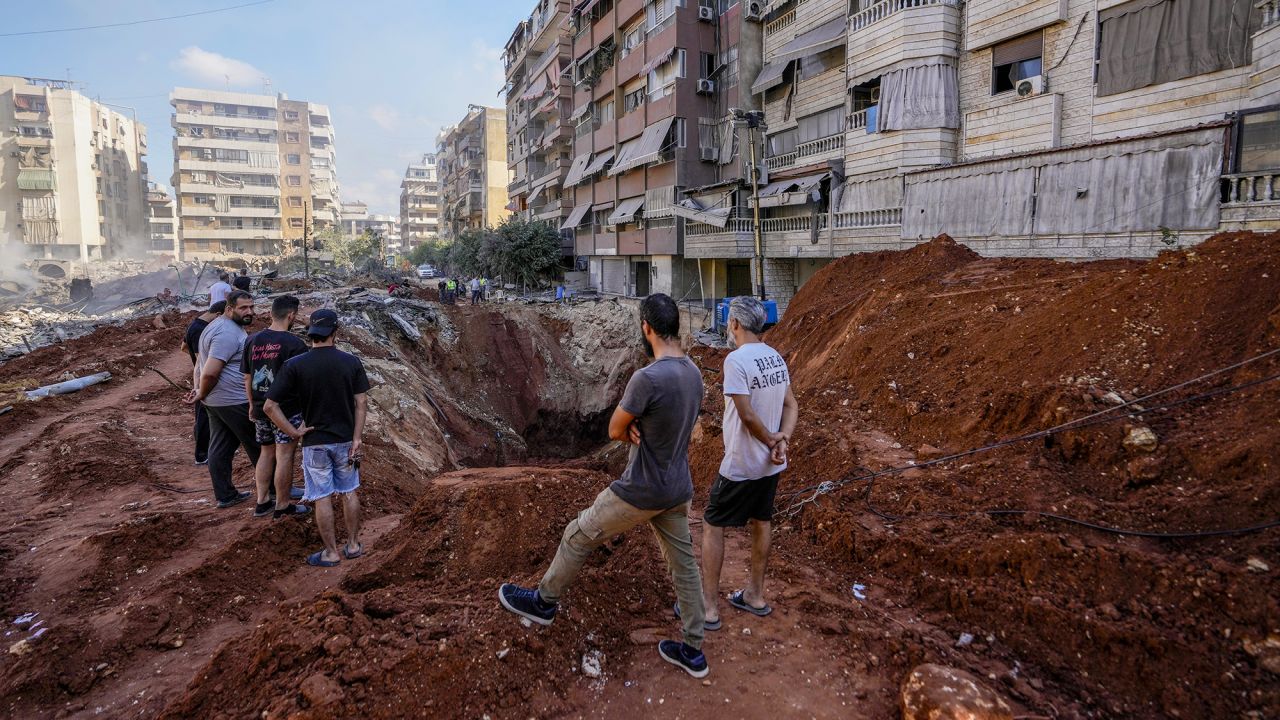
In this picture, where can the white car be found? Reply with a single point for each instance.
(426, 271)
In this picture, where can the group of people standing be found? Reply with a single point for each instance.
(656, 416)
(270, 391)
(450, 287)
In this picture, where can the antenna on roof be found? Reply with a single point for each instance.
(266, 85)
(228, 79)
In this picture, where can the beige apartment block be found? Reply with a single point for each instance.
(1070, 129)
(253, 174)
(73, 182)
(420, 203)
(161, 222)
(471, 162)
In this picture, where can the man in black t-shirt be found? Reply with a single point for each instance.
(265, 353)
(242, 281)
(329, 386)
(190, 345)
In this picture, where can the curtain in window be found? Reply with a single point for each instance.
(920, 96)
(1148, 42)
(820, 125)
(781, 143)
(972, 204)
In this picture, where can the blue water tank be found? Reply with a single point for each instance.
(722, 314)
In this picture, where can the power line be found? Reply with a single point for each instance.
(135, 22)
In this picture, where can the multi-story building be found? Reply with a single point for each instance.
(655, 88)
(253, 174)
(357, 220)
(1048, 128)
(73, 182)
(472, 164)
(161, 222)
(420, 203)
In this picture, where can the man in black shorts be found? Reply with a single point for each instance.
(759, 416)
(265, 352)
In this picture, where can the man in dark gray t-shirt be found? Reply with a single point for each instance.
(656, 415)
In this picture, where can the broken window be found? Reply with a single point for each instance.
(633, 100)
(1257, 140)
(1015, 60)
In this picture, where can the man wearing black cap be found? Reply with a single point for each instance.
(329, 386)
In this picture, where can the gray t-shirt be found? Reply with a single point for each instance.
(224, 340)
(665, 396)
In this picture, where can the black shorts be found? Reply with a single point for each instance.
(733, 503)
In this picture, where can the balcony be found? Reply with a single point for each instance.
(807, 153)
(226, 143)
(892, 31)
(249, 233)
(245, 211)
(211, 189)
(238, 121)
(897, 150)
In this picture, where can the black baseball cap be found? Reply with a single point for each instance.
(323, 323)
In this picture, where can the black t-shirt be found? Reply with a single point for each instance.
(242, 283)
(265, 352)
(192, 336)
(323, 383)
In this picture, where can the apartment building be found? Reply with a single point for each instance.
(161, 222)
(1051, 128)
(655, 86)
(420, 203)
(471, 162)
(253, 174)
(357, 220)
(73, 179)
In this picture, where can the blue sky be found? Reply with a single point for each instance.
(392, 72)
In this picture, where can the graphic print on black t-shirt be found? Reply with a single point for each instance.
(264, 354)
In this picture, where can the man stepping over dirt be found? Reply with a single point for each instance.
(657, 415)
(759, 416)
(265, 353)
(221, 389)
(329, 386)
(191, 346)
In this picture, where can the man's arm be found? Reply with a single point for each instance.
(752, 422)
(248, 394)
(790, 413)
(207, 380)
(273, 412)
(623, 427)
(362, 407)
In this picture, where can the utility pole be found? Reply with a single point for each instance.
(306, 239)
(755, 120)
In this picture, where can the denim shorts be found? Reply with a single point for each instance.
(266, 432)
(327, 469)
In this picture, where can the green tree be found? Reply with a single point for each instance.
(464, 253)
(526, 252)
(351, 252)
(434, 252)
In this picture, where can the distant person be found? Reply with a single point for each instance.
(191, 345)
(221, 390)
(656, 415)
(759, 416)
(242, 281)
(329, 386)
(475, 291)
(265, 353)
(219, 291)
(484, 289)
(443, 285)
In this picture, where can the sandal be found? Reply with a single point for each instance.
(316, 559)
(739, 602)
(706, 624)
(352, 555)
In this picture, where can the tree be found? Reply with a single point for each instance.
(464, 253)
(351, 252)
(434, 252)
(527, 251)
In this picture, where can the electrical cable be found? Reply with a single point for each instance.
(135, 22)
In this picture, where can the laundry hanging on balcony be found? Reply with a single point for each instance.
(924, 94)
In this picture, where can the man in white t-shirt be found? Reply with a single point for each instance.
(759, 416)
(219, 291)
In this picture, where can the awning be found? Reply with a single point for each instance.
(770, 76)
(689, 209)
(576, 170)
(36, 179)
(661, 59)
(586, 6)
(580, 111)
(798, 191)
(23, 102)
(575, 217)
(645, 149)
(598, 164)
(824, 37)
(535, 194)
(536, 90)
(587, 58)
(627, 211)
(547, 104)
(607, 205)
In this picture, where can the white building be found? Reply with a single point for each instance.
(161, 222)
(420, 203)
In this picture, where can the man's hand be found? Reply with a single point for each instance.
(633, 432)
(778, 453)
(356, 447)
(300, 431)
(192, 397)
(251, 415)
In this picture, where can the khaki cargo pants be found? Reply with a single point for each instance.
(610, 516)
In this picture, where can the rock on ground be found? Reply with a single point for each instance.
(937, 692)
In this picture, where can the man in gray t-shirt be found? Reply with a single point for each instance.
(219, 385)
(656, 415)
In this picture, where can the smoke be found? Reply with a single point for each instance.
(16, 279)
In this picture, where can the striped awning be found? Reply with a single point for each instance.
(575, 217)
(626, 211)
(657, 61)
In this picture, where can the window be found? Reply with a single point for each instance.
(290, 114)
(660, 14)
(294, 180)
(865, 95)
(293, 159)
(633, 100)
(814, 65)
(295, 223)
(606, 112)
(1257, 140)
(782, 143)
(291, 137)
(632, 39)
(1015, 60)
(821, 125)
(728, 77)
(662, 79)
(677, 129)
(706, 65)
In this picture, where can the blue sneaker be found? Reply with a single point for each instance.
(682, 656)
(526, 603)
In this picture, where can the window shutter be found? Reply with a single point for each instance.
(1018, 49)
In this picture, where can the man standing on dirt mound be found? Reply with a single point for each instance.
(656, 415)
(221, 389)
(329, 386)
(759, 416)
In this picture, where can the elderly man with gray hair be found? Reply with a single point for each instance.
(759, 416)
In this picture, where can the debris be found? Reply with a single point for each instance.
(70, 386)
(503, 652)
(406, 327)
(965, 640)
(26, 618)
(6, 409)
(1257, 565)
(591, 664)
(22, 647)
(859, 591)
(1141, 438)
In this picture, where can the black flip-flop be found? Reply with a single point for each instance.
(352, 555)
(711, 625)
(739, 602)
(316, 559)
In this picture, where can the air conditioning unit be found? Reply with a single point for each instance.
(754, 11)
(708, 154)
(1033, 85)
(706, 13)
(706, 87)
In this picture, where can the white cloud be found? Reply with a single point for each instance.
(384, 116)
(214, 69)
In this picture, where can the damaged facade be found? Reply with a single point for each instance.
(420, 203)
(471, 162)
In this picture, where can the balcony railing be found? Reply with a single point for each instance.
(777, 162)
(1255, 187)
(858, 120)
(697, 229)
(782, 22)
(798, 223)
(820, 146)
(868, 218)
(884, 9)
(1270, 12)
